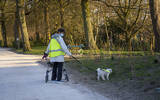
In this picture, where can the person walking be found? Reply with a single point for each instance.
(56, 50)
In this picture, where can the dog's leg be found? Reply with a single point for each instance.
(103, 77)
(107, 76)
(98, 77)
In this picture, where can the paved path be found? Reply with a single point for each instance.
(22, 78)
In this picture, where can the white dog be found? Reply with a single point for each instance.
(103, 73)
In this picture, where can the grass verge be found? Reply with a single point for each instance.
(124, 67)
(41, 49)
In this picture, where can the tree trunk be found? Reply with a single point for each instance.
(23, 26)
(61, 13)
(16, 32)
(128, 43)
(3, 28)
(1, 37)
(4, 34)
(46, 20)
(152, 44)
(91, 43)
(97, 26)
(108, 40)
(61, 16)
(36, 21)
(155, 16)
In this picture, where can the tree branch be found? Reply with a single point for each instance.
(140, 26)
(138, 14)
(121, 9)
(116, 6)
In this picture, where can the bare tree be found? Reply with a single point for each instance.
(61, 12)
(16, 31)
(155, 16)
(20, 4)
(36, 19)
(91, 44)
(1, 37)
(62, 4)
(131, 17)
(3, 26)
(46, 20)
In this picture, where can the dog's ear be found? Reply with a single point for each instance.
(98, 68)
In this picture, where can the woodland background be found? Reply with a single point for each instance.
(117, 25)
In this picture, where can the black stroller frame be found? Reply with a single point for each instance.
(64, 72)
(49, 69)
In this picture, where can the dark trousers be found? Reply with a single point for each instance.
(57, 71)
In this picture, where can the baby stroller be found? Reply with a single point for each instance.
(49, 69)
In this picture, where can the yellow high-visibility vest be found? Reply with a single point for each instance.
(55, 49)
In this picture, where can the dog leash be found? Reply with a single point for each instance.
(76, 59)
(80, 62)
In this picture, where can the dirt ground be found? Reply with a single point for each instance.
(113, 89)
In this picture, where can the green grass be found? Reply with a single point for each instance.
(40, 50)
(102, 52)
(121, 65)
(120, 62)
(144, 66)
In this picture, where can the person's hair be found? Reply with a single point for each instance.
(61, 30)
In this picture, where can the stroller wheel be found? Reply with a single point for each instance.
(66, 78)
(46, 77)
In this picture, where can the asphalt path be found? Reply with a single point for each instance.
(22, 78)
